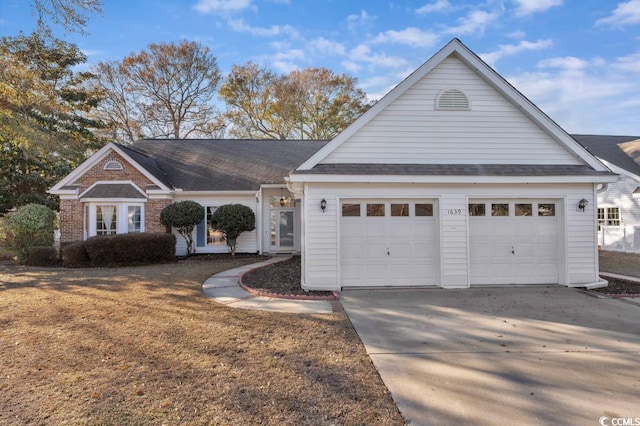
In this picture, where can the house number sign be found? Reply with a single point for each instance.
(454, 212)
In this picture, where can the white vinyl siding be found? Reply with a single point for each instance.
(620, 195)
(412, 130)
(577, 253)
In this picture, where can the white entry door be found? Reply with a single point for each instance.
(388, 243)
(514, 242)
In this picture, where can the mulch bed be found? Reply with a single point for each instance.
(281, 278)
(620, 288)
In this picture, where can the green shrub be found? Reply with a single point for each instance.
(30, 226)
(130, 249)
(42, 256)
(74, 255)
(184, 216)
(232, 220)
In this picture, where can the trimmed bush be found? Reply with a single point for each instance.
(232, 220)
(129, 249)
(30, 226)
(183, 216)
(42, 256)
(74, 255)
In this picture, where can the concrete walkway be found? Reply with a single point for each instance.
(224, 288)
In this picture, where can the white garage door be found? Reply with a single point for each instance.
(388, 243)
(514, 242)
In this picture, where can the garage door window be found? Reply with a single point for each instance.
(350, 209)
(424, 210)
(524, 210)
(500, 209)
(375, 209)
(546, 209)
(399, 209)
(476, 209)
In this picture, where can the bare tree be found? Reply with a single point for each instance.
(70, 14)
(168, 91)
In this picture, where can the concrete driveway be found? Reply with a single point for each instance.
(520, 355)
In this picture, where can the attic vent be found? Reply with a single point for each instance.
(112, 165)
(452, 99)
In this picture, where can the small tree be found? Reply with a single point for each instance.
(232, 220)
(30, 226)
(184, 216)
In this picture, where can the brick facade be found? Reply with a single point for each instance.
(72, 213)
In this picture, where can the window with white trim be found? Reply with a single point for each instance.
(214, 238)
(134, 219)
(609, 216)
(110, 218)
(106, 219)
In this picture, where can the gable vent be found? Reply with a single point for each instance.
(452, 99)
(112, 165)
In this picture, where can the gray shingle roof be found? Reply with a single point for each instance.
(113, 190)
(452, 170)
(221, 164)
(622, 151)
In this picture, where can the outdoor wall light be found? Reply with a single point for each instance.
(582, 204)
(323, 205)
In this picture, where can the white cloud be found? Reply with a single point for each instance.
(327, 47)
(624, 14)
(567, 63)
(363, 53)
(355, 22)
(284, 66)
(628, 63)
(217, 6)
(373, 82)
(510, 49)
(351, 66)
(239, 25)
(528, 7)
(411, 36)
(475, 21)
(517, 35)
(438, 6)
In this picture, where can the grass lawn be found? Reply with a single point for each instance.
(143, 346)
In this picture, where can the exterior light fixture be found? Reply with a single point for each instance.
(283, 201)
(582, 204)
(323, 205)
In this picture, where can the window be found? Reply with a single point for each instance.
(524, 209)
(500, 209)
(134, 219)
(477, 209)
(113, 165)
(609, 216)
(423, 210)
(375, 209)
(452, 100)
(213, 237)
(106, 220)
(546, 209)
(350, 209)
(399, 209)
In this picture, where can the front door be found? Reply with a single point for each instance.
(282, 229)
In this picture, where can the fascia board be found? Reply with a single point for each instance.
(450, 179)
(114, 200)
(620, 170)
(113, 182)
(83, 168)
(215, 193)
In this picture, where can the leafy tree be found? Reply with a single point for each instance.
(183, 216)
(45, 124)
(232, 220)
(30, 226)
(167, 91)
(314, 103)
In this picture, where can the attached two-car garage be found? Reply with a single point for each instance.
(391, 243)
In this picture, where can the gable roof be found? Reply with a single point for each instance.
(621, 151)
(222, 164)
(490, 76)
(113, 190)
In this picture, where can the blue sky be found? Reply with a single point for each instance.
(578, 60)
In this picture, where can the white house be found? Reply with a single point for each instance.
(453, 179)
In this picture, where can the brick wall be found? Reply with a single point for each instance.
(71, 211)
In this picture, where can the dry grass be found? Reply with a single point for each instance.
(143, 346)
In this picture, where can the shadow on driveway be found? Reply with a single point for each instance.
(527, 355)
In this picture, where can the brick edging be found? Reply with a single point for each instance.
(623, 280)
(256, 292)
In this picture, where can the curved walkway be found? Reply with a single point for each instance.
(225, 289)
